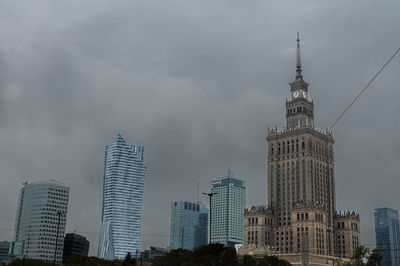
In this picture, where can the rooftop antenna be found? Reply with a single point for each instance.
(230, 173)
(197, 192)
(298, 59)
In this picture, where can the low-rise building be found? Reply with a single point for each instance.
(152, 253)
(75, 245)
(189, 225)
(4, 253)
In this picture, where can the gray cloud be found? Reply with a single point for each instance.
(196, 83)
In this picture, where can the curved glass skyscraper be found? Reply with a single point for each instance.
(124, 173)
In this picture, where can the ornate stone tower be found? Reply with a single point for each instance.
(302, 221)
(299, 110)
(301, 174)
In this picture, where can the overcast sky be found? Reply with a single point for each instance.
(197, 83)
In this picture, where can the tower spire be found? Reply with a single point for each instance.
(298, 61)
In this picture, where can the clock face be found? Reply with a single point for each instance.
(304, 94)
(296, 94)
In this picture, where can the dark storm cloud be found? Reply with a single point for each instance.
(196, 83)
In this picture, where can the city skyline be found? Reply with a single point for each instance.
(198, 86)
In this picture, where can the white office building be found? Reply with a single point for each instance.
(40, 221)
(227, 210)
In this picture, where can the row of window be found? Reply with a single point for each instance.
(293, 146)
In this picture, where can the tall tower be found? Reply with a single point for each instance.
(300, 223)
(301, 183)
(387, 235)
(299, 109)
(227, 210)
(124, 174)
(41, 205)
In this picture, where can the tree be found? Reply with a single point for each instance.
(91, 261)
(374, 258)
(176, 257)
(129, 260)
(249, 260)
(273, 261)
(229, 257)
(359, 255)
(216, 254)
(29, 262)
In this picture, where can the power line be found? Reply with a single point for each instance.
(366, 86)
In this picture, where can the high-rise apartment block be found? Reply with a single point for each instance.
(40, 221)
(189, 225)
(300, 223)
(227, 210)
(75, 245)
(387, 234)
(124, 174)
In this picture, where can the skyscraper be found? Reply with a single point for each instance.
(124, 174)
(189, 225)
(387, 234)
(227, 210)
(301, 215)
(37, 233)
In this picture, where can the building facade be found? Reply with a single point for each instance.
(75, 245)
(301, 222)
(387, 235)
(152, 253)
(227, 210)
(189, 225)
(40, 221)
(124, 174)
(4, 252)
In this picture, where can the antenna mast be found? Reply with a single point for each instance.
(197, 195)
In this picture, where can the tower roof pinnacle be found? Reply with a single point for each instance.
(298, 61)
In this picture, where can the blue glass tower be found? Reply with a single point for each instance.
(227, 210)
(189, 225)
(387, 234)
(124, 174)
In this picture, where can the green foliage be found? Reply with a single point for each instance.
(129, 260)
(79, 261)
(374, 258)
(273, 261)
(215, 255)
(360, 253)
(29, 262)
(177, 257)
(91, 261)
(249, 261)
